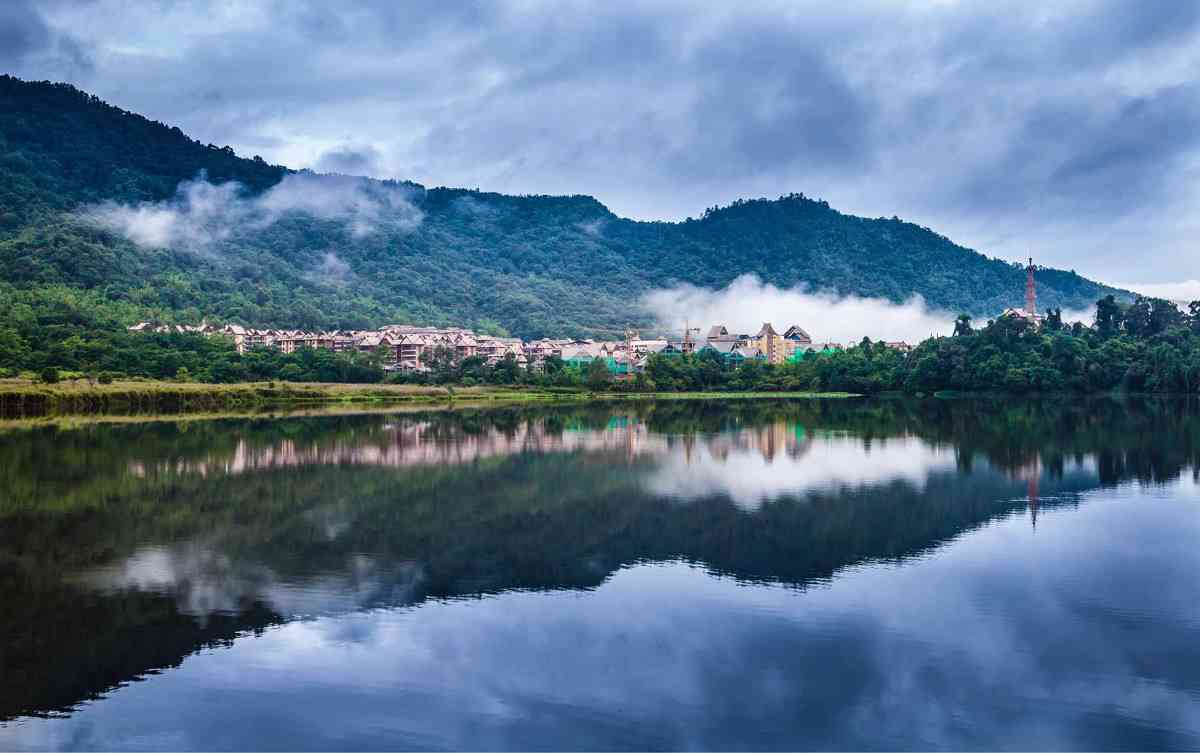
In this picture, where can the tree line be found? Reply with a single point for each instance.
(1149, 345)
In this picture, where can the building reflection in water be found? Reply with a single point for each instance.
(129, 549)
(749, 463)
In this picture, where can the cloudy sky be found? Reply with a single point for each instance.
(1069, 130)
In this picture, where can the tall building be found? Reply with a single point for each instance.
(771, 344)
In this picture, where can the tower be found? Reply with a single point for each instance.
(630, 354)
(1030, 290)
(689, 345)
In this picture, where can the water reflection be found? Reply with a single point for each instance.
(752, 575)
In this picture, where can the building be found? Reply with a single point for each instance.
(410, 348)
(1029, 313)
(772, 344)
(797, 337)
(727, 349)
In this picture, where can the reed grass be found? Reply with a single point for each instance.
(20, 398)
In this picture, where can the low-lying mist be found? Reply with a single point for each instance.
(748, 302)
(203, 213)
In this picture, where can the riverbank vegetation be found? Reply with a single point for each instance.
(24, 398)
(1147, 346)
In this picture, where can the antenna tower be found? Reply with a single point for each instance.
(1030, 290)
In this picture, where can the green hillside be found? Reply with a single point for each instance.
(530, 265)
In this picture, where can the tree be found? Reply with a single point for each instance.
(1108, 316)
(1054, 322)
(49, 375)
(598, 375)
(962, 326)
(1137, 318)
(14, 350)
(506, 371)
(1164, 315)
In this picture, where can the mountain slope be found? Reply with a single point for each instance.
(90, 202)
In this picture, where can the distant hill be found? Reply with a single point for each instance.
(298, 250)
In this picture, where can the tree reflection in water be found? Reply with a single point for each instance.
(123, 549)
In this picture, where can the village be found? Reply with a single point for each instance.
(413, 349)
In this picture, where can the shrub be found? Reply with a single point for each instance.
(106, 377)
(49, 375)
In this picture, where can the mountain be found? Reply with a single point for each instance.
(106, 211)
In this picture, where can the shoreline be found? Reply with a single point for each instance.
(42, 403)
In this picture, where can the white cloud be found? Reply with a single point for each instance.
(205, 580)
(748, 302)
(1083, 316)
(363, 204)
(1182, 291)
(751, 477)
(202, 213)
(332, 270)
(199, 214)
(594, 228)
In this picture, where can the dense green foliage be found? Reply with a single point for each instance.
(1149, 346)
(56, 327)
(530, 265)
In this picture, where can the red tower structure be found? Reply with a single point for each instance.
(1030, 290)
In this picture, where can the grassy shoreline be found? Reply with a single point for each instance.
(25, 399)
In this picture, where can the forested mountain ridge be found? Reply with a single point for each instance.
(269, 252)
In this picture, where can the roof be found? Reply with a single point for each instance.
(716, 331)
(1023, 314)
(794, 332)
(586, 350)
(721, 346)
(766, 329)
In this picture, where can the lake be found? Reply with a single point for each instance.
(833, 574)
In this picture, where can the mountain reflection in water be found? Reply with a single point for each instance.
(835, 566)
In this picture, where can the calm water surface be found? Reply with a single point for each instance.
(848, 575)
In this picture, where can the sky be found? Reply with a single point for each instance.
(1069, 131)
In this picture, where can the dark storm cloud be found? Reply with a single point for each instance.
(21, 32)
(27, 40)
(1067, 128)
